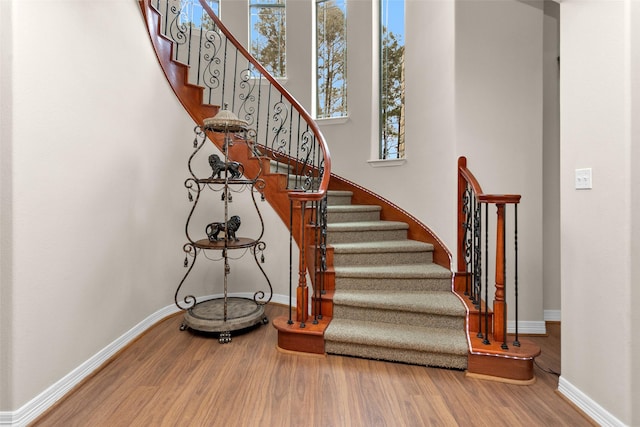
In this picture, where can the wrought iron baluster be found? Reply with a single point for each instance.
(293, 161)
(486, 277)
(477, 254)
(479, 335)
(200, 40)
(268, 125)
(466, 243)
(516, 342)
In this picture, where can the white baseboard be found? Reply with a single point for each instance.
(36, 406)
(536, 327)
(587, 405)
(552, 315)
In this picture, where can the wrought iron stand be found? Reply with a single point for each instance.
(226, 314)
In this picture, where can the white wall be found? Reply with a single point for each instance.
(5, 205)
(551, 162)
(499, 96)
(93, 204)
(599, 344)
(91, 160)
(634, 112)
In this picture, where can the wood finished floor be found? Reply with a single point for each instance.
(174, 378)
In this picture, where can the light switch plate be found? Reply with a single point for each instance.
(583, 179)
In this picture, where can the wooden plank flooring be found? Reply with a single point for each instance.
(173, 378)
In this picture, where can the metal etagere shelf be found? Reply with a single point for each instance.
(223, 315)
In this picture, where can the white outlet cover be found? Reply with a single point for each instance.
(583, 179)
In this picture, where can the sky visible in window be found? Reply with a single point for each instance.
(393, 14)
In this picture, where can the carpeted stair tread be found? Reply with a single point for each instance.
(382, 246)
(391, 302)
(367, 226)
(379, 334)
(417, 271)
(353, 208)
(441, 303)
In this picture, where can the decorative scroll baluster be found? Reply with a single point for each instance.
(477, 253)
(319, 256)
(466, 241)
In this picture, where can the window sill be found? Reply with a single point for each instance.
(264, 81)
(383, 163)
(333, 120)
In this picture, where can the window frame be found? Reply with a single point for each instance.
(343, 112)
(256, 5)
(382, 116)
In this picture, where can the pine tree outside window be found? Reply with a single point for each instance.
(392, 79)
(268, 34)
(331, 63)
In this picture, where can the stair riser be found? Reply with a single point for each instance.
(398, 317)
(397, 355)
(364, 236)
(382, 258)
(338, 199)
(333, 217)
(384, 284)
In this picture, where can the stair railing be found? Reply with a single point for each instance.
(473, 254)
(279, 127)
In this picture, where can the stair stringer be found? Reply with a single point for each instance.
(189, 95)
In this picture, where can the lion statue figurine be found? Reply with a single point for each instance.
(229, 229)
(218, 166)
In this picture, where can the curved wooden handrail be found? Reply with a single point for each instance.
(324, 183)
(468, 176)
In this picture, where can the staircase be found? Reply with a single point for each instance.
(391, 302)
(387, 292)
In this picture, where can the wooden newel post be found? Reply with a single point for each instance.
(302, 292)
(499, 303)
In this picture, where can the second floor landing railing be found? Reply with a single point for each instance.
(474, 259)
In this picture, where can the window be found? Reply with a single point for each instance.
(331, 62)
(268, 35)
(391, 79)
(192, 13)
